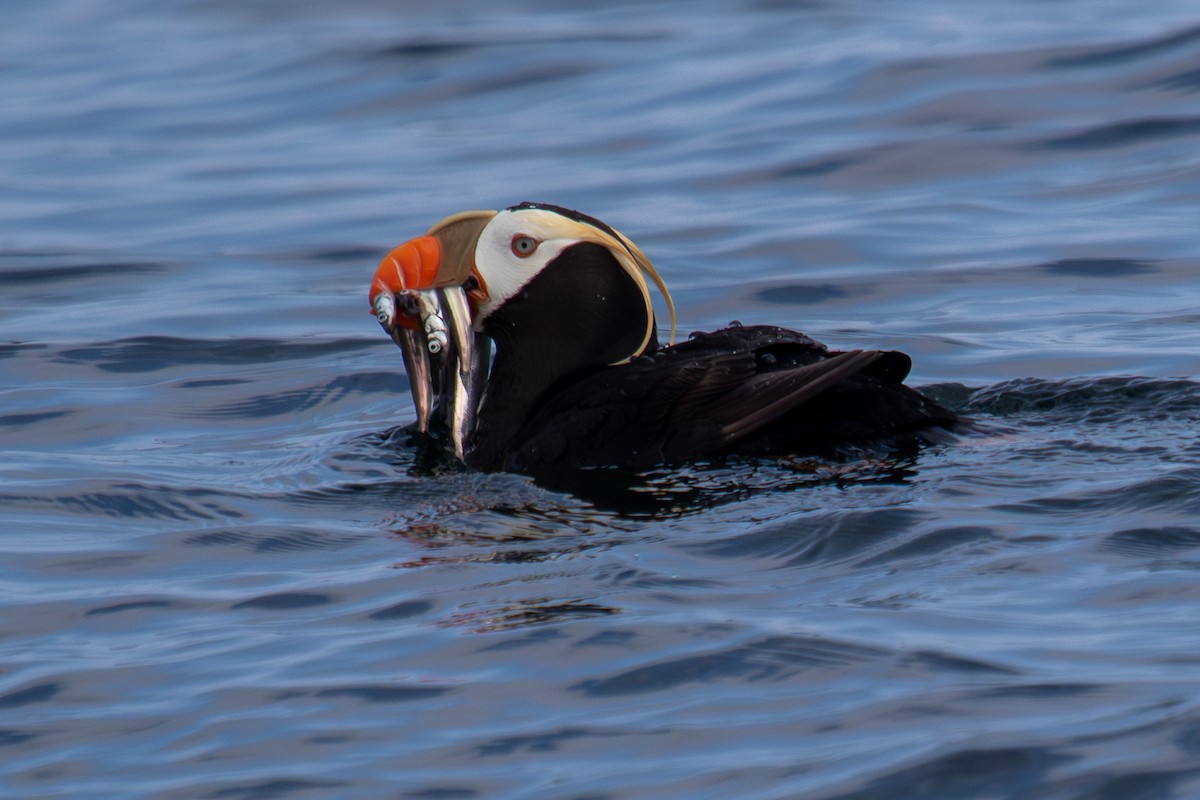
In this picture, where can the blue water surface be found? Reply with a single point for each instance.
(220, 576)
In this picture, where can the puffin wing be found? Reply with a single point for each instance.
(684, 402)
(767, 396)
(748, 405)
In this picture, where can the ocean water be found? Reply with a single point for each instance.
(220, 576)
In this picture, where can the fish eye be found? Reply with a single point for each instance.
(384, 308)
(523, 246)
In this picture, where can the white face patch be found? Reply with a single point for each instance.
(506, 261)
(503, 270)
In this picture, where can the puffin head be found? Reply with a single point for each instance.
(555, 290)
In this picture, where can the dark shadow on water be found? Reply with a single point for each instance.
(537, 743)
(432, 454)
(428, 48)
(13, 420)
(273, 789)
(970, 773)
(403, 610)
(676, 490)
(40, 693)
(151, 353)
(383, 694)
(801, 294)
(72, 274)
(1124, 134)
(692, 489)
(285, 601)
(1109, 54)
(131, 606)
(682, 490)
(1098, 267)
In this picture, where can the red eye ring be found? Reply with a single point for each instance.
(524, 246)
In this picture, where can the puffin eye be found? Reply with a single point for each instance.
(523, 246)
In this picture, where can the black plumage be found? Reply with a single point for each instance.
(554, 399)
(757, 390)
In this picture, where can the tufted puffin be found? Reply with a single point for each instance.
(578, 378)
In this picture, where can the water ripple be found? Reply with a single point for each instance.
(1106, 55)
(1161, 542)
(152, 353)
(296, 400)
(134, 501)
(1092, 399)
(832, 536)
(1127, 134)
(74, 276)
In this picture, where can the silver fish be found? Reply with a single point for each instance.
(465, 371)
(429, 310)
(447, 362)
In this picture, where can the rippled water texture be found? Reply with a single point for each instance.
(220, 578)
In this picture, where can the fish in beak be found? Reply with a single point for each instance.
(424, 294)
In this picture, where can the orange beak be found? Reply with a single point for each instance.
(425, 294)
(444, 256)
(411, 266)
